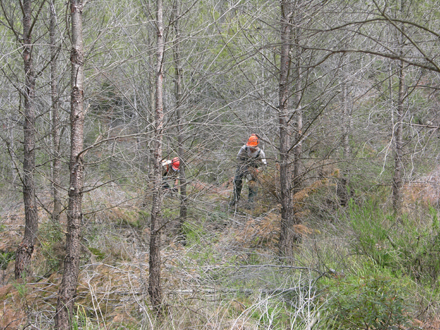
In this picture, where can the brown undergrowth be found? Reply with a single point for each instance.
(208, 283)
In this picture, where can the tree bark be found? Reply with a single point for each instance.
(398, 145)
(297, 150)
(56, 164)
(180, 137)
(288, 236)
(26, 247)
(67, 291)
(343, 184)
(154, 281)
(398, 128)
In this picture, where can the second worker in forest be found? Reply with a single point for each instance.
(170, 171)
(249, 158)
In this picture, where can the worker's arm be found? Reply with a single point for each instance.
(242, 156)
(263, 158)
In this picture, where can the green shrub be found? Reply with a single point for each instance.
(419, 242)
(370, 226)
(52, 245)
(193, 233)
(5, 258)
(375, 301)
(408, 244)
(98, 253)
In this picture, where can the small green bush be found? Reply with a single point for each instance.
(193, 233)
(98, 253)
(5, 258)
(370, 227)
(52, 245)
(408, 244)
(375, 301)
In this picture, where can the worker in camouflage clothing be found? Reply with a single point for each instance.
(170, 170)
(249, 158)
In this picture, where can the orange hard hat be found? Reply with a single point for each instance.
(253, 141)
(175, 163)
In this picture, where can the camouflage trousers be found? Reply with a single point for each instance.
(250, 174)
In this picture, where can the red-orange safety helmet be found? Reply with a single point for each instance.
(175, 163)
(253, 141)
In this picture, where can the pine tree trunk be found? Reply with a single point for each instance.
(67, 291)
(342, 188)
(398, 128)
(56, 165)
(288, 236)
(155, 288)
(180, 137)
(398, 145)
(26, 247)
(297, 150)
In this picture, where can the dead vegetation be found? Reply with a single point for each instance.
(226, 277)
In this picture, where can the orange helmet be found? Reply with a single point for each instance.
(253, 141)
(175, 163)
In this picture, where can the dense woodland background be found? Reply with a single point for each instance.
(344, 233)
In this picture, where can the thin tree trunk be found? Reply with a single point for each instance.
(347, 121)
(288, 236)
(26, 247)
(297, 151)
(180, 137)
(398, 145)
(398, 129)
(56, 165)
(154, 281)
(342, 189)
(67, 291)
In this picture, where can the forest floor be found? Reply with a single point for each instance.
(227, 275)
